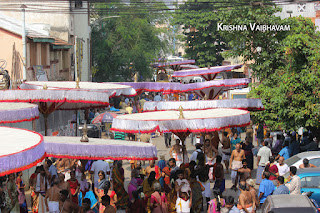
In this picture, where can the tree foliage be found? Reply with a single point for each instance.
(291, 94)
(202, 42)
(126, 44)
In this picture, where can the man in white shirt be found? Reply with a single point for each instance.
(97, 166)
(157, 97)
(294, 182)
(282, 167)
(195, 153)
(263, 157)
(53, 171)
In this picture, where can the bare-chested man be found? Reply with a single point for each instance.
(154, 168)
(53, 195)
(246, 202)
(226, 150)
(237, 156)
(66, 205)
(210, 153)
(63, 185)
(244, 172)
(306, 164)
(176, 152)
(215, 140)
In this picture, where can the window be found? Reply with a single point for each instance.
(310, 182)
(315, 161)
(301, 8)
(78, 4)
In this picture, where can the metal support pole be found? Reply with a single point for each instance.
(24, 42)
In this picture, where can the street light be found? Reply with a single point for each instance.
(24, 43)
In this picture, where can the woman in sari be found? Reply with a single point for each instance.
(197, 190)
(74, 187)
(134, 183)
(11, 194)
(273, 169)
(148, 188)
(158, 201)
(34, 195)
(118, 185)
(21, 195)
(112, 194)
(99, 189)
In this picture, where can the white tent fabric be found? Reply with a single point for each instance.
(19, 149)
(245, 104)
(194, 121)
(17, 112)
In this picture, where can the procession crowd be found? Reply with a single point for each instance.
(181, 184)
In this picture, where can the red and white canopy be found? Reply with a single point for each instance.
(18, 112)
(193, 121)
(245, 104)
(20, 149)
(207, 73)
(58, 99)
(95, 149)
(110, 88)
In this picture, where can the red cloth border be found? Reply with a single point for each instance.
(178, 130)
(24, 167)
(18, 121)
(98, 158)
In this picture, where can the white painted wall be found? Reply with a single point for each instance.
(303, 9)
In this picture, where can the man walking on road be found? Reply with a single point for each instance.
(263, 157)
(266, 187)
(237, 156)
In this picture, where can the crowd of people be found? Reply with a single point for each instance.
(182, 184)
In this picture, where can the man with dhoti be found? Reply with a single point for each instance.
(226, 150)
(176, 152)
(210, 153)
(53, 195)
(42, 185)
(236, 158)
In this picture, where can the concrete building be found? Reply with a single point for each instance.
(68, 22)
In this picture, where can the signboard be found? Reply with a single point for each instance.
(40, 74)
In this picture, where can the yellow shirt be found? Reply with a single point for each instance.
(129, 110)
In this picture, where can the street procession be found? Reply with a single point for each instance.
(165, 106)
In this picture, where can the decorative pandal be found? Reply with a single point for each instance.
(181, 116)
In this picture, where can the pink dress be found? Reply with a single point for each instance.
(161, 200)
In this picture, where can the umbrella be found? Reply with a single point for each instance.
(52, 95)
(209, 73)
(208, 88)
(104, 117)
(20, 149)
(245, 104)
(18, 112)
(181, 123)
(71, 147)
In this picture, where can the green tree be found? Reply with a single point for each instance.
(199, 28)
(291, 94)
(127, 42)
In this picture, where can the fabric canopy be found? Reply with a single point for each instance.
(245, 104)
(110, 88)
(59, 99)
(95, 149)
(193, 121)
(20, 149)
(18, 112)
(207, 73)
(175, 63)
(201, 88)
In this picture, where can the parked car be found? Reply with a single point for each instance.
(287, 204)
(310, 182)
(296, 160)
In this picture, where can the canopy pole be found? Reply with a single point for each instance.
(45, 116)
